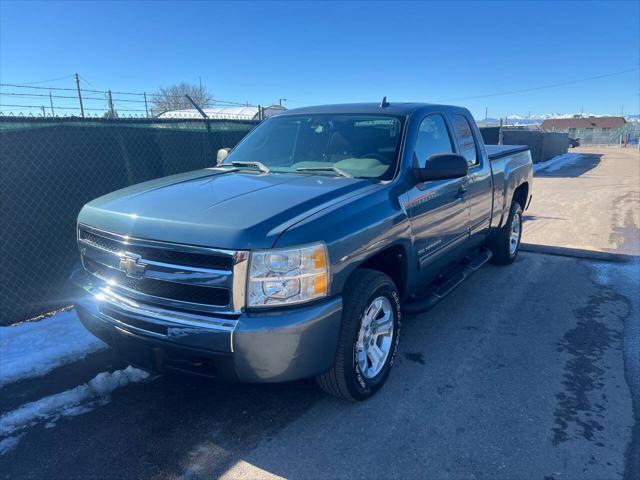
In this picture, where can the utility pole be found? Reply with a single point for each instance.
(51, 101)
(280, 100)
(146, 107)
(79, 95)
(622, 110)
(486, 113)
(111, 112)
(43, 112)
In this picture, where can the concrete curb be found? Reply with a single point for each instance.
(578, 253)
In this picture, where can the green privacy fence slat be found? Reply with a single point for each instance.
(49, 168)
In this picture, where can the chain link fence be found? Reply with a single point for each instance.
(606, 136)
(51, 167)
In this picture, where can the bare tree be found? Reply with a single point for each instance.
(173, 97)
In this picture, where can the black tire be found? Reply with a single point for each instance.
(344, 379)
(499, 244)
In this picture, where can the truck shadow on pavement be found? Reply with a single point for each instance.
(588, 162)
(176, 425)
(211, 423)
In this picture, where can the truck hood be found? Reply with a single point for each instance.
(215, 208)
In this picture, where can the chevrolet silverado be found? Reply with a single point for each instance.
(296, 255)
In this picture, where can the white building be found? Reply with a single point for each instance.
(225, 113)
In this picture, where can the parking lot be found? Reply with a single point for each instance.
(526, 371)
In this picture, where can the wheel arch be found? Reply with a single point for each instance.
(521, 194)
(392, 261)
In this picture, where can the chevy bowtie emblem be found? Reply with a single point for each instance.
(130, 264)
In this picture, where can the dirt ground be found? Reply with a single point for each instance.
(591, 205)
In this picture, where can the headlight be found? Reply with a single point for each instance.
(286, 276)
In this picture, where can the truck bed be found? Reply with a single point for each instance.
(498, 151)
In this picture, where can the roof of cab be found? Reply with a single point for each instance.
(368, 108)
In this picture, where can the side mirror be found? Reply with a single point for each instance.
(222, 154)
(442, 166)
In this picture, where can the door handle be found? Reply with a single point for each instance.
(462, 189)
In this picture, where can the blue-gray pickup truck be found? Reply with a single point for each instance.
(296, 254)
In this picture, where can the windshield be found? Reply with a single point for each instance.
(364, 146)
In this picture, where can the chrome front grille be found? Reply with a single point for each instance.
(168, 275)
(214, 260)
(162, 289)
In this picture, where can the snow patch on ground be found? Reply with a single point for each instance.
(32, 349)
(69, 403)
(9, 443)
(556, 163)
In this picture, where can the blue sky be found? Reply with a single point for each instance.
(336, 52)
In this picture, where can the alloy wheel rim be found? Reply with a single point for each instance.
(374, 338)
(514, 238)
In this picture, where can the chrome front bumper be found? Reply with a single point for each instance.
(267, 346)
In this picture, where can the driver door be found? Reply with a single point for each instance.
(437, 209)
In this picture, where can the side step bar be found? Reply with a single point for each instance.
(443, 285)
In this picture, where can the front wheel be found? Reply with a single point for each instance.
(506, 242)
(368, 339)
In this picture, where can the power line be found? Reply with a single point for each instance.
(79, 94)
(87, 81)
(105, 92)
(221, 102)
(44, 81)
(41, 88)
(551, 85)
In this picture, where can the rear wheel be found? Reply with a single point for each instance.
(506, 243)
(368, 338)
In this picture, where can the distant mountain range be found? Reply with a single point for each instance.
(538, 119)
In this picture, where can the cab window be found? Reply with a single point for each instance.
(433, 138)
(465, 138)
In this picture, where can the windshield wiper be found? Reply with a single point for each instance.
(260, 166)
(337, 170)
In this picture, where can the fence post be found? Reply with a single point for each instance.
(79, 95)
(111, 112)
(51, 101)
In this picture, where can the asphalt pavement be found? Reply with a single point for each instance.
(525, 371)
